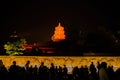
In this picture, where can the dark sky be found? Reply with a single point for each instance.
(36, 20)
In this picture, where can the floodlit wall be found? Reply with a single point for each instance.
(60, 60)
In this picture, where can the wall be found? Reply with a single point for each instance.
(60, 60)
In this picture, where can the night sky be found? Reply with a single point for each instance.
(36, 20)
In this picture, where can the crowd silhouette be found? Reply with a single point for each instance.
(29, 72)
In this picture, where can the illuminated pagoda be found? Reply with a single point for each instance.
(59, 33)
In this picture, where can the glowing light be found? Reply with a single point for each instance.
(67, 60)
(58, 33)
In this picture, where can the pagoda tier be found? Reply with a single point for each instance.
(59, 33)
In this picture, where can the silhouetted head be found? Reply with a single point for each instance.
(28, 62)
(42, 63)
(103, 65)
(14, 62)
(52, 64)
(91, 62)
(98, 62)
(64, 65)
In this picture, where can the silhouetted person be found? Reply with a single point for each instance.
(75, 73)
(13, 71)
(103, 75)
(27, 68)
(81, 71)
(3, 71)
(52, 72)
(65, 71)
(59, 73)
(93, 73)
(35, 72)
(31, 73)
(43, 72)
(27, 65)
(111, 73)
(22, 73)
(86, 73)
(98, 66)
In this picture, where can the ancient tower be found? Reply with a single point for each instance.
(59, 33)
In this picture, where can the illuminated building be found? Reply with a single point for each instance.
(59, 33)
(14, 35)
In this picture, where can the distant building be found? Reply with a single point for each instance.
(44, 49)
(14, 35)
(59, 33)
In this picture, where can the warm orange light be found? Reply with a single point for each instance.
(58, 33)
(27, 46)
(69, 61)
